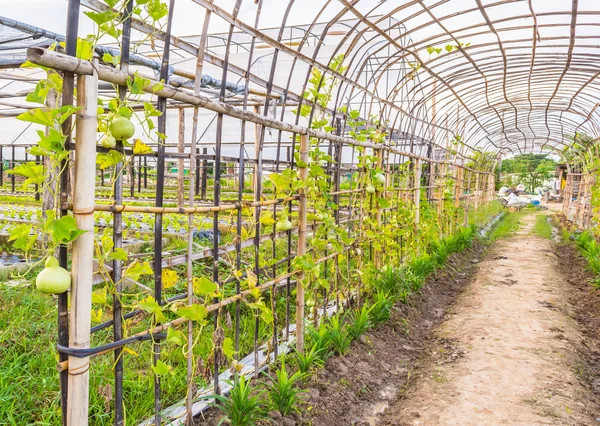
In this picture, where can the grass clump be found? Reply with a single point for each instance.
(282, 392)
(589, 247)
(542, 227)
(506, 226)
(243, 405)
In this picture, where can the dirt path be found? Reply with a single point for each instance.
(506, 353)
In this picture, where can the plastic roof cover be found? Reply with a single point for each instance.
(521, 78)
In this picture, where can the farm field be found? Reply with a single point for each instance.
(298, 213)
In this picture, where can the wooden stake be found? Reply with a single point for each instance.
(303, 174)
(257, 128)
(83, 248)
(180, 164)
(417, 192)
(477, 191)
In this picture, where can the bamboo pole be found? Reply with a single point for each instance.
(256, 151)
(189, 210)
(303, 174)
(417, 193)
(62, 366)
(62, 62)
(83, 248)
(378, 194)
(476, 191)
(180, 150)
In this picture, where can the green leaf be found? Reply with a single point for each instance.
(204, 286)
(85, 48)
(63, 230)
(150, 306)
(109, 159)
(383, 203)
(137, 85)
(228, 348)
(193, 312)
(38, 116)
(32, 171)
(118, 254)
(99, 296)
(137, 269)
(174, 336)
(161, 368)
(22, 239)
(156, 9)
(101, 17)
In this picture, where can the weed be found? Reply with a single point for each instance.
(359, 322)
(542, 227)
(387, 280)
(321, 340)
(241, 407)
(381, 309)
(309, 359)
(283, 395)
(506, 226)
(340, 339)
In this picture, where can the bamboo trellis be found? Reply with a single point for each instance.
(434, 129)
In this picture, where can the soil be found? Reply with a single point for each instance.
(505, 336)
(378, 367)
(525, 344)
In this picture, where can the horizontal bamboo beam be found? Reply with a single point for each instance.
(189, 210)
(59, 61)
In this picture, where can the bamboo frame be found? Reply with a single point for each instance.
(83, 249)
(421, 118)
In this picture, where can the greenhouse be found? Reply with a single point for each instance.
(318, 212)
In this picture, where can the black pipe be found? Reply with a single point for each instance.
(67, 99)
(117, 272)
(160, 181)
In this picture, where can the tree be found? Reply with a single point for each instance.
(532, 169)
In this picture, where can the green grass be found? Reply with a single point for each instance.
(542, 227)
(29, 386)
(506, 226)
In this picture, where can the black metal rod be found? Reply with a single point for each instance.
(117, 272)
(160, 181)
(12, 166)
(1, 168)
(67, 99)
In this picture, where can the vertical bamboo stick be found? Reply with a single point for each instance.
(417, 193)
(257, 128)
(181, 150)
(378, 194)
(303, 174)
(477, 175)
(67, 99)
(117, 272)
(83, 248)
(193, 182)
(159, 201)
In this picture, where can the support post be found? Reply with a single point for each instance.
(417, 193)
(477, 174)
(257, 128)
(204, 174)
(379, 194)
(83, 248)
(303, 174)
(180, 164)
